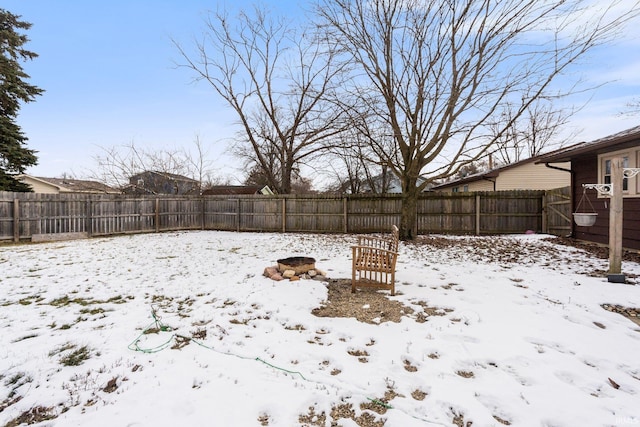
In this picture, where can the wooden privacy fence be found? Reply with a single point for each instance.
(559, 211)
(25, 215)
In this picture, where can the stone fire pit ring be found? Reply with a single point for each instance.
(300, 265)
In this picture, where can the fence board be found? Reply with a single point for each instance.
(99, 215)
(558, 211)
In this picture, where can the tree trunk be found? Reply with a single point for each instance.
(408, 214)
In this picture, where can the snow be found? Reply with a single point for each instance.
(529, 328)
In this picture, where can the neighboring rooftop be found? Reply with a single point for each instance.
(626, 137)
(490, 174)
(219, 190)
(167, 175)
(69, 185)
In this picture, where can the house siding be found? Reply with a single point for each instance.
(40, 187)
(527, 176)
(533, 177)
(586, 172)
(483, 185)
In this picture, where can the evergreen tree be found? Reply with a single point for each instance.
(14, 89)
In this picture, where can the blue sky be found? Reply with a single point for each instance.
(108, 69)
(110, 79)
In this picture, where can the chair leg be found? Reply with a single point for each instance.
(353, 281)
(393, 283)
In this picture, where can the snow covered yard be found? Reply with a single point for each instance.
(497, 331)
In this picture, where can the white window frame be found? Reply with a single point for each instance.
(632, 156)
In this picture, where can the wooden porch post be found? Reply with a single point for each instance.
(615, 222)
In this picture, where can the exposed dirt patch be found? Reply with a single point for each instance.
(263, 420)
(458, 419)
(465, 374)
(499, 249)
(372, 306)
(381, 405)
(630, 313)
(594, 249)
(312, 419)
(418, 394)
(366, 305)
(505, 251)
(428, 311)
(409, 367)
(34, 415)
(8, 402)
(501, 421)
(358, 353)
(345, 410)
(112, 385)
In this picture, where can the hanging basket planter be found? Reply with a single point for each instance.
(585, 219)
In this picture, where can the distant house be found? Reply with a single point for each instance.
(219, 190)
(523, 175)
(65, 185)
(590, 163)
(154, 182)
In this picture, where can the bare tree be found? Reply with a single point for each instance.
(299, 184)
(199, 164)
(116, 164)
(278, 81)
(436, 71)
(537, 130)
(352, 165)
(346, 170)
(632, 108)
(473, 168)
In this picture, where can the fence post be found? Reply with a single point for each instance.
(418, 215)
(345, 214)
(284, 214)
(477, 214)
(203, 212)
(157, 215)
(88, 220)
(238, 215)
(16, 220)
(544, 213)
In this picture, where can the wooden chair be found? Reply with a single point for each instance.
(374, 262)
